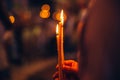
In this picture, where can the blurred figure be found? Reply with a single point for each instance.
(100, 43)
(8, 46)
(4, 64)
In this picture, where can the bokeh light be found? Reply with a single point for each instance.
(45, 7)
(44, 14)
(56, 15)
(37, 31)
(12, 19)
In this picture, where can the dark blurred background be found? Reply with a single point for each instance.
(27, 37)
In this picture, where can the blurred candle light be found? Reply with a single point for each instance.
(45, 7)
(57, 14)
(44, 14)
(12, 19)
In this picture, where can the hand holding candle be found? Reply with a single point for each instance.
(59, 36)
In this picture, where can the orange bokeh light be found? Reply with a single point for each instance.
(12, 19)
(45, 7)
(57, 14)
(44, 14)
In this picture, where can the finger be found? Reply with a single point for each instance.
(69, 62)
(55, 75)
(70, 69)
(67, 68)
(57, 66)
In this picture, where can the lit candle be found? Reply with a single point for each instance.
(59, 36)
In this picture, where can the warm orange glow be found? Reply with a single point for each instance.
(45, 7)
(44, 14)
(56, 16)
(57, 29)
(62, 17)
(12, 19)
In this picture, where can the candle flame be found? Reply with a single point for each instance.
(57, 30)
(62, 17)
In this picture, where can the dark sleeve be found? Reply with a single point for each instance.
(101, 42)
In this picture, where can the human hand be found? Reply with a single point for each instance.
(70, 70)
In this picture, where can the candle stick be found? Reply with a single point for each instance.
(59, 36)
(62, 40)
